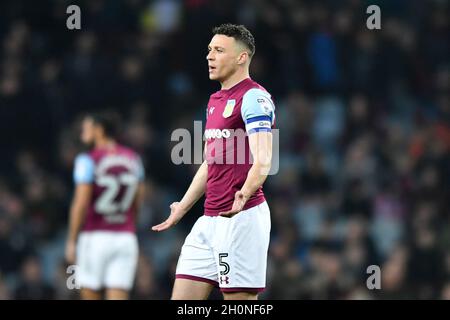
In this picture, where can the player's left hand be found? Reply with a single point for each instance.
(240, 199)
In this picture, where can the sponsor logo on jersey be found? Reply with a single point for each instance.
(217, 133)
(264, 124)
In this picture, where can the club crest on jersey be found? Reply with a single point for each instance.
(228, 111)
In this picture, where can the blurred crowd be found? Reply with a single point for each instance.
(364, 119)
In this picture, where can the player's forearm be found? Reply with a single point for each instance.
(77, 213)
(139, 200)
(196, 189)
(261, 148)
(256, 177)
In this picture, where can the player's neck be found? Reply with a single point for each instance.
(234, 80)
(105, 143)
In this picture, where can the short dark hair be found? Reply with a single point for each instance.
(239, 33)
(108, 120)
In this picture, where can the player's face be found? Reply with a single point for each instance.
(223, 56)
(87, 131)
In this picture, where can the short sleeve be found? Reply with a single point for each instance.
(84, 169)
(258, 111)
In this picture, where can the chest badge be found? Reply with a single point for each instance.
(228, 111)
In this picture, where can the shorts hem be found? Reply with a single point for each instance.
(230, 290)
(195, 278)
(106, 287)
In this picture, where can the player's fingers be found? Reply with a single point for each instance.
(227, 214)
(160, 224)
(165, 225)
(158, 227)
(237, 206)
(162, 228)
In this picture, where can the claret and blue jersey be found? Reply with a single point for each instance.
(114, 175)
(247, 107)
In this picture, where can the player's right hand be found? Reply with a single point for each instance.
(176, 213)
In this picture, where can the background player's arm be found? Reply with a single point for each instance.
(194, 192)
(139, 198)
(84, 177)
(261, 149)
(80, 203)
(140, 191)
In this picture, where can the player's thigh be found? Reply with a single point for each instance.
(120, 270)
(91, 258)
(185, 289)
(196, 261)
(241, 250)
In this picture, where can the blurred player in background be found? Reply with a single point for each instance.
(227, 246)
(109, 187)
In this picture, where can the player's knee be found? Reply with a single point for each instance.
(185, 295)
(176, 294)
(190, 290)
(240, 296)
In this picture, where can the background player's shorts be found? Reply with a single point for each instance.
(229, 252)
(106, 259)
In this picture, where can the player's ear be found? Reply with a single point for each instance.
(243, 57)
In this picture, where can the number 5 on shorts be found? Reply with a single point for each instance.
(224, 264)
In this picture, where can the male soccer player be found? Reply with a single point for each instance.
(227, 246)
(109, 186)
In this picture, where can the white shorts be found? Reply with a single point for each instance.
(106, 259)
(228, 252)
